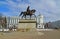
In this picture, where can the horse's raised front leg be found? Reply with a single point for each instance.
(35, 15)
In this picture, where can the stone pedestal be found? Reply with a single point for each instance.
(23, 24)
(27, 25)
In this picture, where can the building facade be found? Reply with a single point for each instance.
(11, 21)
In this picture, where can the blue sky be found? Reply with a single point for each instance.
(49, 8)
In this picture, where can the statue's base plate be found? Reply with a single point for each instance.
(27, 21)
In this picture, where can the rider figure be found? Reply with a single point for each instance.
(28, 10)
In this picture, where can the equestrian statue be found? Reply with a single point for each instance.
(28, 12)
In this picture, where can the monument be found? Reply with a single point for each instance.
(28, 12)
(27, 23)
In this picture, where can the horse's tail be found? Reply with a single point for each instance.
(21, 13)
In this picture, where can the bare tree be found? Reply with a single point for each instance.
(4, 23)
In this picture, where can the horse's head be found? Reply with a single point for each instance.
(33, 11)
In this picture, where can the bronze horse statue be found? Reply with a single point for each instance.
(28, 12)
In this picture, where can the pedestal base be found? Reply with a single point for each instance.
(23, 24)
